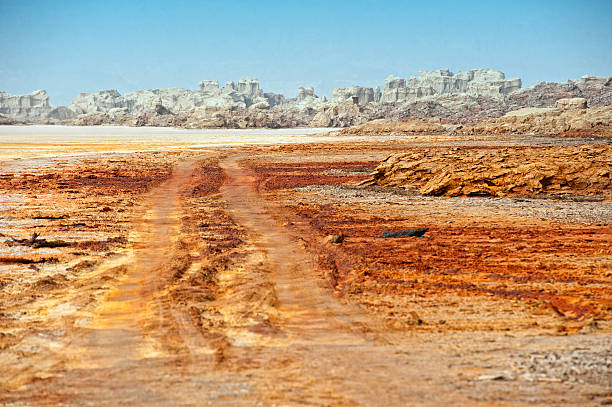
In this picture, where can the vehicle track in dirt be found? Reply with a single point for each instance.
(278, 335)
(107, 343)
(130, 323)
(333, 353)
(309, 311)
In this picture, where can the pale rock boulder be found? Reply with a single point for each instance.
(488, 82)
(435, 82)
(5, 120)
(60, 113)
(306, 100)
(30, 106)
(321, 119)
(101, 101)
(571, 103)
(260, 104)
(346, 113)
(590, 82)
(212, 95)
(493, 89)
(118, 112)
(249, 91)
(479, 75)
(527, 111)
(209, 86)
(357, 94)
(274, 99)
(249, 87)
(395, 90)
(304, 94)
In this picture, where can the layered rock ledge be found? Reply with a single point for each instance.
(582, 170)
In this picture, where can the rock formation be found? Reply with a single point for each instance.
(101, 101)
(305, 101)
(478, 82)
(355, 94)
(245, 93)
(594, 122)
(571, 103)
(383, 127)
(305, 93)
(28, 107)
(571, 119)
(499, 172)
(4, 120)
(597, 92)
(60, 113)
(465, 98)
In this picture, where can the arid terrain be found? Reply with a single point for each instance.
(152, 267)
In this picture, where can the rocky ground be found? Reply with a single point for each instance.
(551, 171)
(572, 121)
(260, 276)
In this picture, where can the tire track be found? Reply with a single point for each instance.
(328, 352)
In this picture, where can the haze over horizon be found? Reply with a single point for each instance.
(69, 46)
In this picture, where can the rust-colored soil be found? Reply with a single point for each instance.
(208, 277)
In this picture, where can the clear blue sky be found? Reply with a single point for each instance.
(67, 46)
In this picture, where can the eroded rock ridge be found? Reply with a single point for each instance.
(462, 98)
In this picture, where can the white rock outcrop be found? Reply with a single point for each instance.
(571, 103)
(242, 94)
(305, 100)
(305, 94)
(589, 81)
(101, 101)
(465, 97)
(60, 113)
(249, 87)
(477, 82)
(31, 106)
(246, 93)
(208, 85)
(357, 94)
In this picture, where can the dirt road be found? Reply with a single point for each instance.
(283, 337)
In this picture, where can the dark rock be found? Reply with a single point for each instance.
(336, 239)
(418, 232)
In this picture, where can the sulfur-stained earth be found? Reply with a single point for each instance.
(544, 170)
(184, 275)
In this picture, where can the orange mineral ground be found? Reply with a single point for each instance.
(192, 269)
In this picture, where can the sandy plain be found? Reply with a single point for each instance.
(190, 268)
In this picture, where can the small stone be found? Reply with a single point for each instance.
(490, 377)
(335, 239)
(414, 319)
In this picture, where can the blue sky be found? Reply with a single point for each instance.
(67, 46)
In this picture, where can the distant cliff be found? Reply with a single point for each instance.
(464, 97)
(30, 106)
